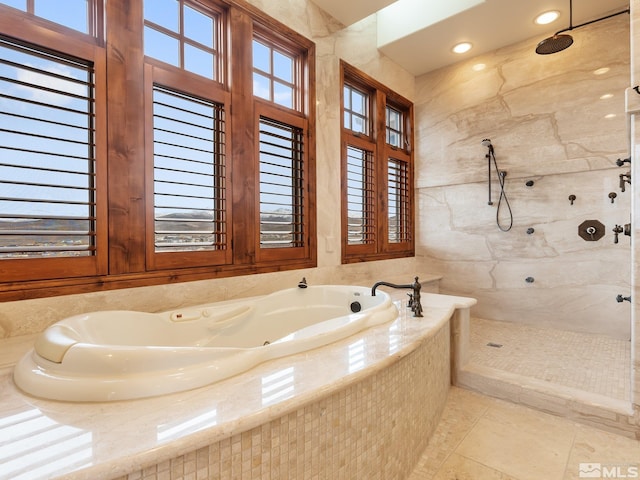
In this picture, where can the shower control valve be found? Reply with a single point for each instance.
(617, 230)
(624, 179)
(591, 230)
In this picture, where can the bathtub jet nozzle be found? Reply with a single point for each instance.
(414, 298)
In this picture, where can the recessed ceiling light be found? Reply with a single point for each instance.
(478, 67)
(610, 115)
(462, 47)
(601, 71)
(547, 17)
(606, 96)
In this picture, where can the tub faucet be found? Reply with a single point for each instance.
(414, 298)
(303, 283)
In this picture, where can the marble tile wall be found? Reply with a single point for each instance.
(549, 121)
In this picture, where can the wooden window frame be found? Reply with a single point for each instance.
(287, 253)
(367, 236)
(16, 271)
(95, 20)
(124, 80)
(175, 79)
(367, 117)
(301, 116)
(380, 97)
(219, 17)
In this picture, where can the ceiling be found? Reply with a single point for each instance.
(419, 34)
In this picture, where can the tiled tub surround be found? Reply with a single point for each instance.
(361, 408)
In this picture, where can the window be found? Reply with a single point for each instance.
(274, 75)
(398, 201)
(377, 170)
(189, 173)
(47, 170)
(395, 127)
(189, 130)
(284, 161)
(356, 110)
(281, 185)
(49, 159)
(151, 180)
(184, 35)
(79, 15)
(361, 219)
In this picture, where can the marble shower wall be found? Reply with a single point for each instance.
(551, 120)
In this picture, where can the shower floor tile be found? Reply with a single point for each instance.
(592, 363)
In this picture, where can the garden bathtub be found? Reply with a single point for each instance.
(119, 355)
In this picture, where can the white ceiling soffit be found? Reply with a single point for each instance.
(349, 12)
(406, 17)
(419, 34)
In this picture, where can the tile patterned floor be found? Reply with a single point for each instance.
(592, 363)
(482, 438)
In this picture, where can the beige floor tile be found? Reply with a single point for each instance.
(607, 449)
(463, 409)
(481, 438)
(458, 467)
(517, 451)
(532, 421)
(469, 401)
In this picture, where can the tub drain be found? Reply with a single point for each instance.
(494, 345)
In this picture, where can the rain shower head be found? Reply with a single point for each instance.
(554, 44)
(560, 40)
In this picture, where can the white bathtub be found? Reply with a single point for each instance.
(119, 355)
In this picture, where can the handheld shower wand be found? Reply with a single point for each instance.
(501, 178)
